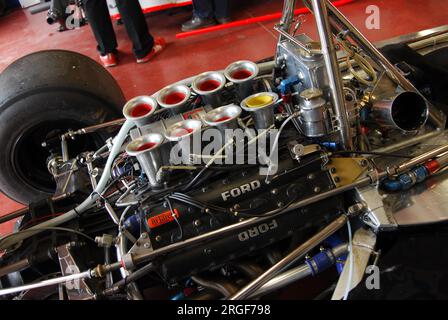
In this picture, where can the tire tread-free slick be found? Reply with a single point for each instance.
(48, 89)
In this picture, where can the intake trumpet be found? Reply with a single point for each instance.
(174, 98)
(224, 117)
(140, 110)
(150, 154)
(209, 86)
(186, 136)
(242, 74)
(261, 108)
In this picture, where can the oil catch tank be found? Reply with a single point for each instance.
(314, 117)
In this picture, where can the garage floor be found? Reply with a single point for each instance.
(22, 33)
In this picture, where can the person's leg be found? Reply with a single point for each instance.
(221, 9)
(99, 20)
(202, 15)
(203, 8)
(136, 27)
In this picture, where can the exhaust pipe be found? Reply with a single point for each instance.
(148, 150)
(187, 138)
(242, 74)
(209, 86)
(261, 108)
(407, 111)
(174, 98)
(140, 110)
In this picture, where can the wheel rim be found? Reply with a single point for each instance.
(29, 158)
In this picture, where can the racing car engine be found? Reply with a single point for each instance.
(213, 179)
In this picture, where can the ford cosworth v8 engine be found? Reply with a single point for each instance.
(230, 184)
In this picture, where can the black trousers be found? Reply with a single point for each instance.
(133, 19)
(211, 8)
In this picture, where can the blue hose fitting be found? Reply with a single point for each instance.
(334, 241)
(320, 262)
(406, 180)
(332, 146)
(286, 84)
(133, 223)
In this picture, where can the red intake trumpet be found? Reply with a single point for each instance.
(174, 98)
(242, 74)
(209, 86)
(187, 136)
(140, 110)
(149, 152)
(223, 118)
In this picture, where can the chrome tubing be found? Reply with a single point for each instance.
(437, 117)
(149, 151)
(298, 253)
(333, 71)
(408, 142)
(242, 74)
(286, 21)
(15, 267)
(287, 18)
(46, 283)
(418, 160)
(97, 127)
(294, 275)
(261, 110)
(406, 111)
(291, 38)
(140, 110)
(132, 289)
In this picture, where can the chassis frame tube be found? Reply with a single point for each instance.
(409, 142)
(339, 21)
(298, 253)
(46, 283)
(21, 212)
(287, 18)
(293, 275)
(333, 71)
(404, 167)
(15, 267)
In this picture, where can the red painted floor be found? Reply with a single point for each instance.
(22, 33)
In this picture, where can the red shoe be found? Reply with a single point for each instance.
(159, 45)
(109, 60)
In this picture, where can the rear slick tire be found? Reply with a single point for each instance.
(46, 92)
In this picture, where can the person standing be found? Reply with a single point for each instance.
(145, 46)
(207, 13)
